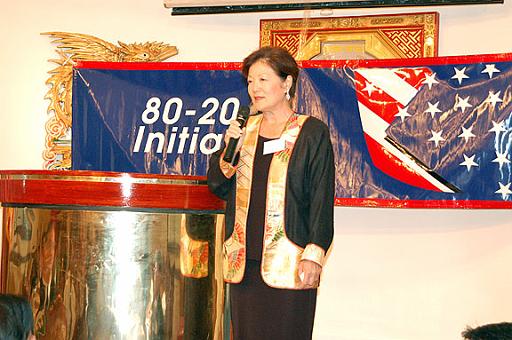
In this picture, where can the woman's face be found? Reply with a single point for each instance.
(266, 89)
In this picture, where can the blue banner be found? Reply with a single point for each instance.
(433, 132)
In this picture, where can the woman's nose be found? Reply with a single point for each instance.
(256, 85)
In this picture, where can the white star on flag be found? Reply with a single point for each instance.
(466, 133)
(369, 88)
(501, 158)
(469, 162)
(402, 113)
(497, 127)
(430, 79)
(459, 74)
(462, 103)
(432, 109)
(504, 190)
(493, 98)
(490, 69)
(436, 137)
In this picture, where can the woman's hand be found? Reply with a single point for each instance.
(234, 131)
(309, 274)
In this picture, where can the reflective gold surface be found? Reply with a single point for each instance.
(102, 177)
(113, 274)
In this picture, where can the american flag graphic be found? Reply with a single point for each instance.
(444, 128)
(383, 95)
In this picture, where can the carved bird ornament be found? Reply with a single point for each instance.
(71, 48)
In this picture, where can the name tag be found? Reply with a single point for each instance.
(274, 145)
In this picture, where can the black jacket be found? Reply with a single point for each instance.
(309, 191)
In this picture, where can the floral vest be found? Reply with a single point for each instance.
(281, 256)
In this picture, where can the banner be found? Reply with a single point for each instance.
(433, 132)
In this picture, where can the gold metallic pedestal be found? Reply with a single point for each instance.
(113, 256)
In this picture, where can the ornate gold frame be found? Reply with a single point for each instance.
(383, 36)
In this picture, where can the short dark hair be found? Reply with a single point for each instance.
(279, 59)
(494, 331)
(16, 319)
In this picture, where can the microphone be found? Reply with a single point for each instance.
(241, 117)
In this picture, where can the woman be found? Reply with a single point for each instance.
(279, 212)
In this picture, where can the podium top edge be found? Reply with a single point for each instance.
(107, 189)
(100, 176)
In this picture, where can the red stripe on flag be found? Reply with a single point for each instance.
(413, 76)
(398, 203)
(394, 167)
(379, 102)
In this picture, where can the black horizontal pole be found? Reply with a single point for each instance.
(194, 10)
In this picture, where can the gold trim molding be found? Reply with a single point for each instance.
(72, 47)
(378, 36)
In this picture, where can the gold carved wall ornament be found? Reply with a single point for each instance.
(360, 37)
(73, 47)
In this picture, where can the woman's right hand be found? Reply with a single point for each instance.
(234, 131)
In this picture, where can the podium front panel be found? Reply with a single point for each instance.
(115, 272)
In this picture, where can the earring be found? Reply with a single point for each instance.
(287, 94)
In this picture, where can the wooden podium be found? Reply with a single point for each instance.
(104, 255)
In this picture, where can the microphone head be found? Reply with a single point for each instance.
(244, 111)
(243, 115)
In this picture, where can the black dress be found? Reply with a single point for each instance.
(258, 311)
